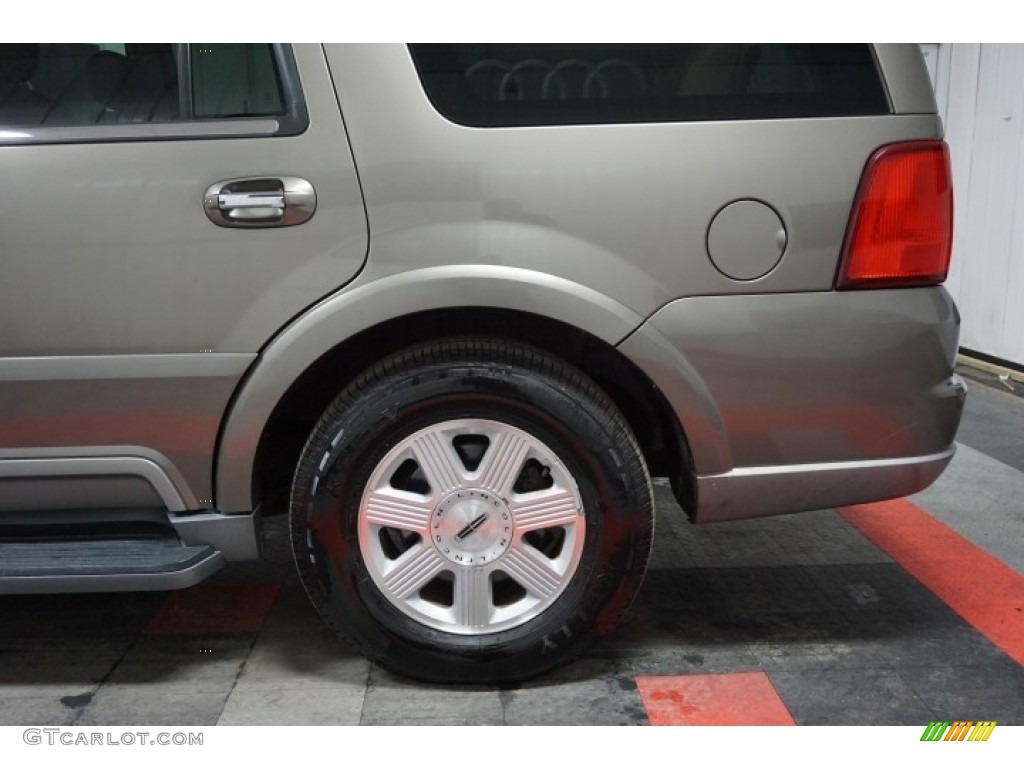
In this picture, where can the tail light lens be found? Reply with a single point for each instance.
(901, 228)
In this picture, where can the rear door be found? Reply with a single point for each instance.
(164, 210)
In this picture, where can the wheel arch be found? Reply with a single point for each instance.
(304, 367)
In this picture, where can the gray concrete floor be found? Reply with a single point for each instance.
(994, 418)
(844, 634)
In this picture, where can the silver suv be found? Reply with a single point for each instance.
(450, 307)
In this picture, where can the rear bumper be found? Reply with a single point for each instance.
(758, 491)
(804, 401)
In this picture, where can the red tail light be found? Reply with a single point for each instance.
(901, 228)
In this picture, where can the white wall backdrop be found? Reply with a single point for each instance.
(980, 93)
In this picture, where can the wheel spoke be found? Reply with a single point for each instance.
(437, 459)
(394, 511)
(503, 462)
(473, 596)
(532, 570)
(413, 570)
(545, 509)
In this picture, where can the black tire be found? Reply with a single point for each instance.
(491, 379)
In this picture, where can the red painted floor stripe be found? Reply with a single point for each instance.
(215, 609)
(985, 592)
(744, 698)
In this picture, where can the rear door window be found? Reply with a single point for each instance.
(65, 85)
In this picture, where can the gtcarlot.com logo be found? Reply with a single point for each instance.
(79, 738)
(960, 730)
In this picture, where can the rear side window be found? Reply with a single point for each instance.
(64, 85)
(492, 85)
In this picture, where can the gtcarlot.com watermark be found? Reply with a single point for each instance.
(77, 738)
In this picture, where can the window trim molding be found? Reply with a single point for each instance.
(205, 129)
(294, 122)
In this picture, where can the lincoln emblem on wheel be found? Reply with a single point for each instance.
(454, 523)
(468, 531)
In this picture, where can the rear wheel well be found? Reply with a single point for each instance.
(650, 417)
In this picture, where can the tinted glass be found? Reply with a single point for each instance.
(87, 84)
(487, 84)
(235, 80)
(74, 84)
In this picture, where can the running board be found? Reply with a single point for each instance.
(119, 564)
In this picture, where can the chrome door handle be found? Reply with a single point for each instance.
(260, 202)
(250, 200)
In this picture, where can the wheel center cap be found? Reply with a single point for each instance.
(471, 527)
